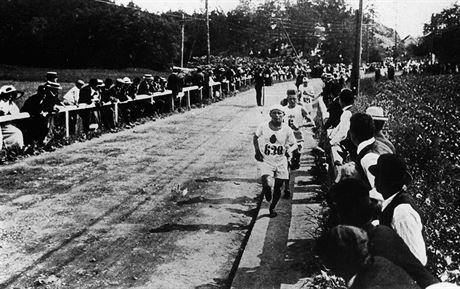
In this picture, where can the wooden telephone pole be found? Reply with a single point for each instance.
(355, 79)
(207, 33)
(182, 36)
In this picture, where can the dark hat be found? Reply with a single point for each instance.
(392, 168)
(148, 76)
(93, 82)
(52, 85)
(343, 247)
(291, 92)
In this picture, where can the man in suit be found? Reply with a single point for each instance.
(345, 250)
(175, 84)
(90, 94)
(258, 85)
(399, 210)
(349, 201)
(42, 107)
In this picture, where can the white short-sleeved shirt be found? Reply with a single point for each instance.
(293, 116)
(273, 144)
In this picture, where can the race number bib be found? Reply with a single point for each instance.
(273, 150)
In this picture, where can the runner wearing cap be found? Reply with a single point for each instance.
(272, 141)
(295, 117)
(307, 97)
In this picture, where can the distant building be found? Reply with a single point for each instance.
(409, 40)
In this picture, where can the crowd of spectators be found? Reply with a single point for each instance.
(377, 238)
(93, 99)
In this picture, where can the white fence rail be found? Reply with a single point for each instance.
(72, 108)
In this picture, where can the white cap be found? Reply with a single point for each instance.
(376, 113)
(276, 107)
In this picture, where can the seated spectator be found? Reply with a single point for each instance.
(379, 121)
(107, 110)
(338, 134)
(399, 210)
(349, 199)
(71, 97)
(121, 93)
(175, 84)
(368, 149)
(146, 86)
(10, 135)
(159, 83)
(345, 250)
(90, 94)
(42, 106)
(51, 76)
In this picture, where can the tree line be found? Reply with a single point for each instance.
(91, 33)
(442, 36)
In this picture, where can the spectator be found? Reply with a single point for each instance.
(346, 100)
(146, 86)
(368, 149)
(398, 208)
(378, 74)
(175, 84)
(345, 250)
(259, 84)
(51, 76)
(379, 121)
(350, 200)
(10, 135)
(121, 93)
(90, 94)
(391, 72)
(107, 110)
(72, 96)
(42, 106)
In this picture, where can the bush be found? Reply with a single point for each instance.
(424, 126)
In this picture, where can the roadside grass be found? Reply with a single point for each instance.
(424, 127)
(22, 73)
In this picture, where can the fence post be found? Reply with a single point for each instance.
(201, 94)
(171, 101)
(67, 126)
(188, 99)
(115, 108)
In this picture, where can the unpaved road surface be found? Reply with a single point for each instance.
(166, 204)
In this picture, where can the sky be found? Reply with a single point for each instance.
(408, 16)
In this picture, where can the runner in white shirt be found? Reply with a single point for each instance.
(307, 98)
(272, 141)
(295, 116)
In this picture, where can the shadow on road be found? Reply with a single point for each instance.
(196, 227)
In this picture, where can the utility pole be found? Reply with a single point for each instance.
(207, 33)
(182, 33)
(358, 45)
(395, 53)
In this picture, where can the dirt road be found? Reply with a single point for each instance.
(166, 204)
